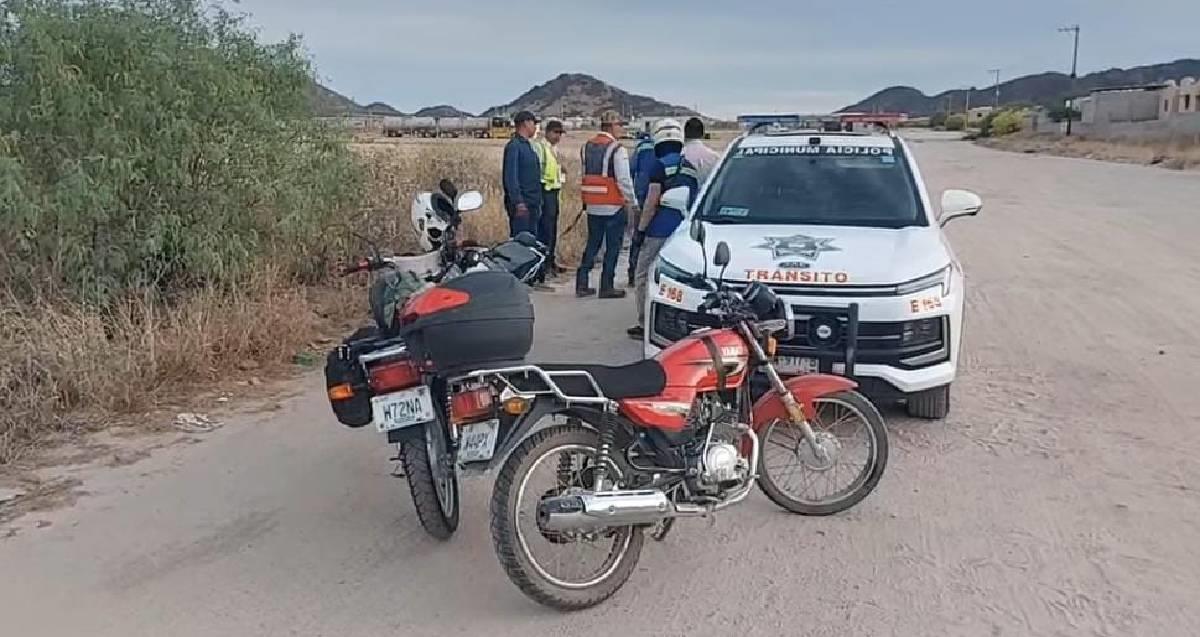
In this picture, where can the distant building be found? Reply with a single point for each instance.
(1182, 97)
(1121, 104)
(976, 115)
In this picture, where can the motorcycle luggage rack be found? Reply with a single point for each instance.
(547, 377)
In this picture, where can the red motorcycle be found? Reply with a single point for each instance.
(631, 448)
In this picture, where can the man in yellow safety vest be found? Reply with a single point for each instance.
(552, 183)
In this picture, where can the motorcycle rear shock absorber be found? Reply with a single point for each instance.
(608, 426)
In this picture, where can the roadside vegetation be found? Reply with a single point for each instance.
(165, 195)
(171, 212)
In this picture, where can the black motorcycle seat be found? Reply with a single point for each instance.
(635, 380)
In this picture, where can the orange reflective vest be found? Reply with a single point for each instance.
(600, 186)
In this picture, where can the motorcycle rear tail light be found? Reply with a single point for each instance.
(392, 375)
(471, 405)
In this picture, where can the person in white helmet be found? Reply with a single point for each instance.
(657, 223)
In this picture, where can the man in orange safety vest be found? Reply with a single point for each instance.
(609, 200)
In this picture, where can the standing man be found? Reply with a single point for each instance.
(658, 222)
(644, 162)
(552, 183)
(522, 176)
(694, 150)
(608, 195)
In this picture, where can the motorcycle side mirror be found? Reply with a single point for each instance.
(469, 200)
(448, 187)
(721, 256)
(696, 231)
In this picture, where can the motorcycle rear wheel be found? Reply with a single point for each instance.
(776, 483)
(512, 499)
(432, 480)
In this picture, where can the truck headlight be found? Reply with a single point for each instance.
(940, 279)
(680, 276)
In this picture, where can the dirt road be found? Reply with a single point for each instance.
(1062, 496)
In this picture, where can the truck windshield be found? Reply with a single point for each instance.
(814, 185)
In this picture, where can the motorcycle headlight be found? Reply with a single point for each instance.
(681, 276)
(939, 279)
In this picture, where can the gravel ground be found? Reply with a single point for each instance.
(1061, 497)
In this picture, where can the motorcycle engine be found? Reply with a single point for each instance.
(713, 457)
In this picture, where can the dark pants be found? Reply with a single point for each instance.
(548, 227)
(635, 249)
(528, 223)
(609, 232)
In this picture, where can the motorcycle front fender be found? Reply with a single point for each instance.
(805, 389)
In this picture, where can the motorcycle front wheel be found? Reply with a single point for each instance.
(566, 571)
(852, 456)
(432, 480)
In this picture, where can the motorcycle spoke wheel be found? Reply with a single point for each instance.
(568, 571)
(850, 460)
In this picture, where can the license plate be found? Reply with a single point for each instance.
(402, 409)
(797, 365)
(477, 441)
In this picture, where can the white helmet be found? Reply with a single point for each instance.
(427, 222)
(667, 130)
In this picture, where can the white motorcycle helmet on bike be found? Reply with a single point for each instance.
(429, 225)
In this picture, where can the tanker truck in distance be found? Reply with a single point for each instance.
(419, 126)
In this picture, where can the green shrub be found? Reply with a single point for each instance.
(937, 120)
(156, 144)
(955, 122)
(1006, 122)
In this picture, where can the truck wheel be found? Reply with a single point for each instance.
(930, 404)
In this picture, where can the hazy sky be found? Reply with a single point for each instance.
(722, 57)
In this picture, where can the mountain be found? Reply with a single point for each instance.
(379, 108)
(441, 110)
(1043, 89)
(577, 94)
(328, 102)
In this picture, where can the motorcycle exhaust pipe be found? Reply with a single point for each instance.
(593, 511)
(583, 512)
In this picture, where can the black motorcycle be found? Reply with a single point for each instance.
(371, 377)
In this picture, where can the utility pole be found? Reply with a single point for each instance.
(996, 98)
(1074, 29)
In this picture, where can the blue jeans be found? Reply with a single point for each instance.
(608, 231)
(528, 223)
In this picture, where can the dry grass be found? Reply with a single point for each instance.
(400, 168)
(66, 366)
(1178, 154)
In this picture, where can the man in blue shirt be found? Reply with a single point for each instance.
(644, 163)
(522, 176)
(658, 223)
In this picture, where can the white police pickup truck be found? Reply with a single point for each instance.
(841, 227)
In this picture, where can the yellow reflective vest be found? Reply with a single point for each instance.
(552, 175)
